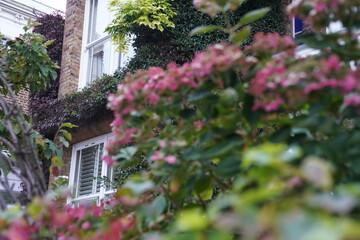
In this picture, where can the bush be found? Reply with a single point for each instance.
(271, 154)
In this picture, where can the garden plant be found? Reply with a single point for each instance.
(246, 143)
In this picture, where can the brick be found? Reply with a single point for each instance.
(72, 44)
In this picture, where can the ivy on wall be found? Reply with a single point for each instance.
(52, 28)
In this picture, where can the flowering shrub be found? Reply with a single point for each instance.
(240, 144)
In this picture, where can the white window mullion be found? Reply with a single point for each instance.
(78, 165)
(96, 167)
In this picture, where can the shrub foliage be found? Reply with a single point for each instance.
(172, 45)
(253, 143)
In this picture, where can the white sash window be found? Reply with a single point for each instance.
(99, 55)
(88, 172)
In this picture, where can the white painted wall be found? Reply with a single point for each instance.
(15, 14)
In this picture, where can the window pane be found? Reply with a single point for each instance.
(99, 60)
(99, 183)
(86, 202)
(90, 170)
(99, 19)
(77, 169)
(109, 172)
(298, 26)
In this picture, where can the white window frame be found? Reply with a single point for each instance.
(294, 33)
(85, 68)
(74, 186)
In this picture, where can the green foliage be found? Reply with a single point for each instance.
(175, 44)
(26, 63)
(79, 108)
(278, 143)
(237, 144)
(155, 14)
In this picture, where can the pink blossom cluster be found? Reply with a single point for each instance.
(66, 223)
(323, 5)
(275, 84)
(146, 88)
(322, 11)
(271, 44)
(198, 125)
(212, 7)
(206, 6)
(352, 99)
(317, 5)
(326, 77)
(158, 155)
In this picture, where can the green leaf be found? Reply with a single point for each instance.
(191, 220)
(228, 167)
(187, 114)
(221, 3)
(57, 161)
(48, 152)
(204, 29)
(139, 187)
(222, 148)
(251, 116)
(159, 204)
(253, 16)
(68, 125)
(47, 43)
(34, 210)
(240, 36)
(126, 153)
(198, 95)
(63, 141)
(66, 134)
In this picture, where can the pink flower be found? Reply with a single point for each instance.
(274, 105)
(349, 83)
(109, 160)
(96, 211)
(127, 110)
(72, 227)
(128, 96)
(162, 143)
(333, 63)
(153, 98)
(155, 73)
(197, 125)
(130, 131)
(19, 230)
(320, 5)
(258, 105)
(171, 159)
(334, 3)
(61, 236)
(157, 156)
(352, 100)
(118, 121)
(86, 225)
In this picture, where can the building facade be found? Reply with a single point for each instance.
(87, 55)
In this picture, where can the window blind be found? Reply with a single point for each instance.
(90, 170)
